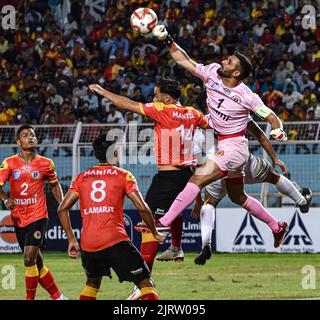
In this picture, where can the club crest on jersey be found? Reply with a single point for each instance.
(219, 153)
(16, 174)
(37, 234)
(236, 99)
(35, 174)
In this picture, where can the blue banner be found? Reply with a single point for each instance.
(56, 239)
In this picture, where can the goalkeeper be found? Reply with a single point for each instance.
(229, 102)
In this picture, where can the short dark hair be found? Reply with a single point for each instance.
(245, 65)
(25, 126)
(170, 87)
(101, 146)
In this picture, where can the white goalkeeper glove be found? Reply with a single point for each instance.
(160, 32)
(279, 134)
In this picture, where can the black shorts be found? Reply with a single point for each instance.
(32, 234)
(165, 187)
(123, 258)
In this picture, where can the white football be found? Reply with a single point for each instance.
(143, 20)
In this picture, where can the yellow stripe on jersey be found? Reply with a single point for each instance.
(130, 177)
(141, 109)
(4, 165)
(52, 166)
(53, 181)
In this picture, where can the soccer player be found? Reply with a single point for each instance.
(104, 242)
(27, 173)
(257, 170)
(230, 102)
(173, 132)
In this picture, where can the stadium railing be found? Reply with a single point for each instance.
(70, 147)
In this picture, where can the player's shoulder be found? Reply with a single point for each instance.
(126, 173)
(44, 160)
(159, 106)
(10, 160)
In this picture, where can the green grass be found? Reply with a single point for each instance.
(225, 276)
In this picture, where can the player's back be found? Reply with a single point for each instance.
(102, 190)
(174, 127)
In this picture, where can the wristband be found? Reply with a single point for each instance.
(168, 40)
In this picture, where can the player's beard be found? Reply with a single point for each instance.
(224, 74)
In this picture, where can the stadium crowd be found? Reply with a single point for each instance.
(46, 63)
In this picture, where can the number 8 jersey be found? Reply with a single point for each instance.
(27, 183)
(102, 190)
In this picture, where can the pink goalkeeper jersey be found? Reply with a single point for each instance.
(228, 107)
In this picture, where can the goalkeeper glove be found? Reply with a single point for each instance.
(279, 134)
(161, 33)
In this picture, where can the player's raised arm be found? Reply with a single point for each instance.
(267, 146)
(176, 52)
(63, 212)
(120, 101)
(145, 213)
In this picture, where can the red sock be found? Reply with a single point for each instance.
(47, 282)
(149, 293)
(176, 231)
(89, 293)
(149, 248)
(31, 281)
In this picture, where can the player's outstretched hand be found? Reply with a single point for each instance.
(96, 88)
(9, 203)
(73, 249)
(283, 167)
(160, 237)
(279, 134)
(160, 32)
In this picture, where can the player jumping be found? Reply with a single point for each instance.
(27, 173)
(104, 242)
(174, 128)
(257, 170)
(230, 102)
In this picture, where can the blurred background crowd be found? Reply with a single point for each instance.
(59, 47)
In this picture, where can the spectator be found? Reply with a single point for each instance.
(282, 73)
(92, 100)
(291, 97)
(115, 116)
(306, 82)
(272, 97)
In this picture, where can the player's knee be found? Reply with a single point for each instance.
(146, 283)
(29, 260)
(238, 199)
(272, 177)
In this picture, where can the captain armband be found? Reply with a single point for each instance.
(263, 111)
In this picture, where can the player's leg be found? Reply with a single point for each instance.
(286, 187)
(95, 267)
(235, 189)
(215, 192)
(205, 174)
(47, 281)
(129, 265)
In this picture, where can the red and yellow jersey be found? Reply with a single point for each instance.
(27, 183)
(174, 128)
(102, 190)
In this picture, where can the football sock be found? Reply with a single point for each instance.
(286, 187)
(176, 231)
(182, 201)
(149, 248)
(207, 217)
(89, 293)
(31, 280)
(47, 282)
(255, 208)
(149, 293)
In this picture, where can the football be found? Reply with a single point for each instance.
(143, 20)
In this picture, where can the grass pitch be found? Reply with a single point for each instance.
(225, 276)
